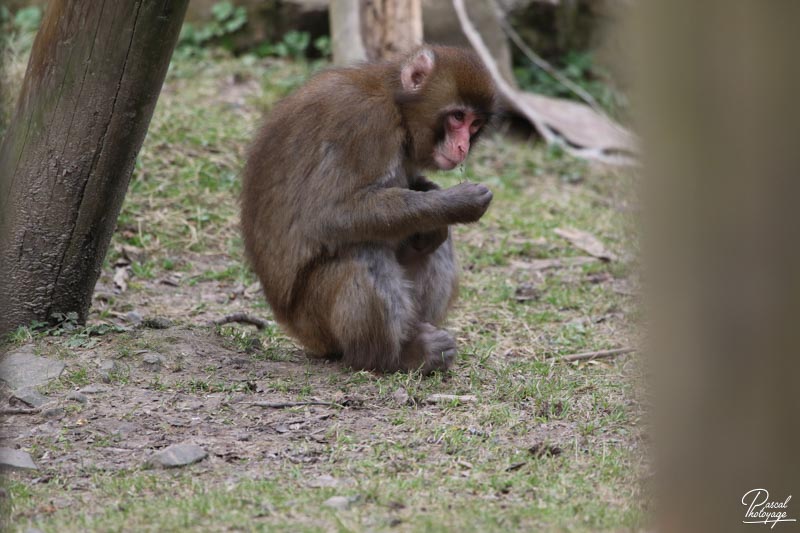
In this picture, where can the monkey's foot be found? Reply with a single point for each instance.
(435, 349)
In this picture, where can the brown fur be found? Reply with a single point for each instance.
(351, 245)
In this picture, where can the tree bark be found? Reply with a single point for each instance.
(390, 27)
(346, 40)
(374, 30)
(93, 79)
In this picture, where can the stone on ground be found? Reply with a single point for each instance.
(11, 459)
(22, 368)
(177, 455)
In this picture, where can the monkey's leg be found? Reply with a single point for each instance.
(434, 283)
(362, 305)
(367, 306)
(434, 278)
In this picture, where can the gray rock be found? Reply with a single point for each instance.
(11, 459)
(400, 396)
(93, 389)
(76, 396)
(324, 481)
(31, 396)
(54, 412)
(340, 503)
(153, 360)
(110, 365)
(107, 368)
(22, 368)
(177, 455)
(134, 317)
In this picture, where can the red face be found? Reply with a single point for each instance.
(460, 126)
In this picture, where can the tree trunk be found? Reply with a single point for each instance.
(346, 40)
(92, 82)
(374, 29)
(390, 27)
(721, 130)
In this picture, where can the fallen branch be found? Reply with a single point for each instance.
(589, 356)
(13, 411)
(284, 405)
(242, 318)
(450, 398)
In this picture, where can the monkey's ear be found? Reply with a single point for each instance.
(416, 70)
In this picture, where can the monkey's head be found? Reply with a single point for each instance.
(446, 97)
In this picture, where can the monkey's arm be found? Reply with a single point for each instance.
(378, 214)
(423, 243)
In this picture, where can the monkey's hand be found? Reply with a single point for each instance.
(421, 244)
(423, 184)
(467, 202)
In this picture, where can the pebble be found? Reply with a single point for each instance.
(93, 389)
(16, 460)
(153, 360)
(54, 412)
(324, 481)
(76, 396)
(400, 396)
(340, 503)
(177, 455)
(134, 317)
(108, 367)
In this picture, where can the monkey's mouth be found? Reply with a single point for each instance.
(443, 162)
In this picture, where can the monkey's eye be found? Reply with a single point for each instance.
(459, 116)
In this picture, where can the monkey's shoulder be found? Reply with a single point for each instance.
(347, 95)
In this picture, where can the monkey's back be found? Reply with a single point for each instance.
(332, 137)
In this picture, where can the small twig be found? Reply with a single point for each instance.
(588, 356)
(243, 318)
(284, 405)
(13, 411)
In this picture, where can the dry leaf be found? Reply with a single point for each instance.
(586, 242)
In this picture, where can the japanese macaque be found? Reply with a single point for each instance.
(351, 243)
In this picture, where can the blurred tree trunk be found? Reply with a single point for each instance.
(92, 82)
(374, 29)
(721, 129)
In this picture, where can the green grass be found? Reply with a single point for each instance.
(459, 467)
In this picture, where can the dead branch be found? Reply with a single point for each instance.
(242, 318)
(15, 411)
(588, 356)
(284, 405)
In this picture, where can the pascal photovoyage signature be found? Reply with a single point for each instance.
(762, 510)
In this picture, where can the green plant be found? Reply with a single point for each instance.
(227, 19)
(293, 45)
(28, 19)
(579, 68)
(19, 28)
(324, 46)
